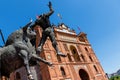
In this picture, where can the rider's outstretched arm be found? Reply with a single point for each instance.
(51, 9)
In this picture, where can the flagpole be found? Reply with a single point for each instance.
(79, 28)
(60, 17)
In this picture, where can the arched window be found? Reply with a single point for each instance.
(69, 57)
(74, 53)
(95, 68)
(86, 49)
(63, 71)
(83, 58)
(18, 77)
(90, 58)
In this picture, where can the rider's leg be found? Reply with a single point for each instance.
(42, 42)
(36, 57)
(54, 43)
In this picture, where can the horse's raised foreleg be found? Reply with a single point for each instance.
(25, 56)
(35, 56)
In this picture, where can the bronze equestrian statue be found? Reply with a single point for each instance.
(44, 22)
(18, 52)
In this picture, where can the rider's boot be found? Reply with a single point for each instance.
(58, 52)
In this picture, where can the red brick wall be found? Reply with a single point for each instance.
(71, 68)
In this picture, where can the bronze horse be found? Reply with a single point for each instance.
(18, 52)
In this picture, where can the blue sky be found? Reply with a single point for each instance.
(100, 19)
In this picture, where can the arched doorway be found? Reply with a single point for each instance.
(83, 75)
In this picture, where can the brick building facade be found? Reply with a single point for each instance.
(81, 62)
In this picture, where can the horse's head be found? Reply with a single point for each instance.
(19, 35)
(28, 32)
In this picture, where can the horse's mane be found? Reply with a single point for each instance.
(13, 36)
(17, 34)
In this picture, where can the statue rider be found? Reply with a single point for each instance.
(44, 22)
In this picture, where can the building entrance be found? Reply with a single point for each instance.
(83, 75)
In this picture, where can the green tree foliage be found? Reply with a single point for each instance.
(115, 78)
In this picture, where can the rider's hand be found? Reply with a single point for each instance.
(50, 4)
